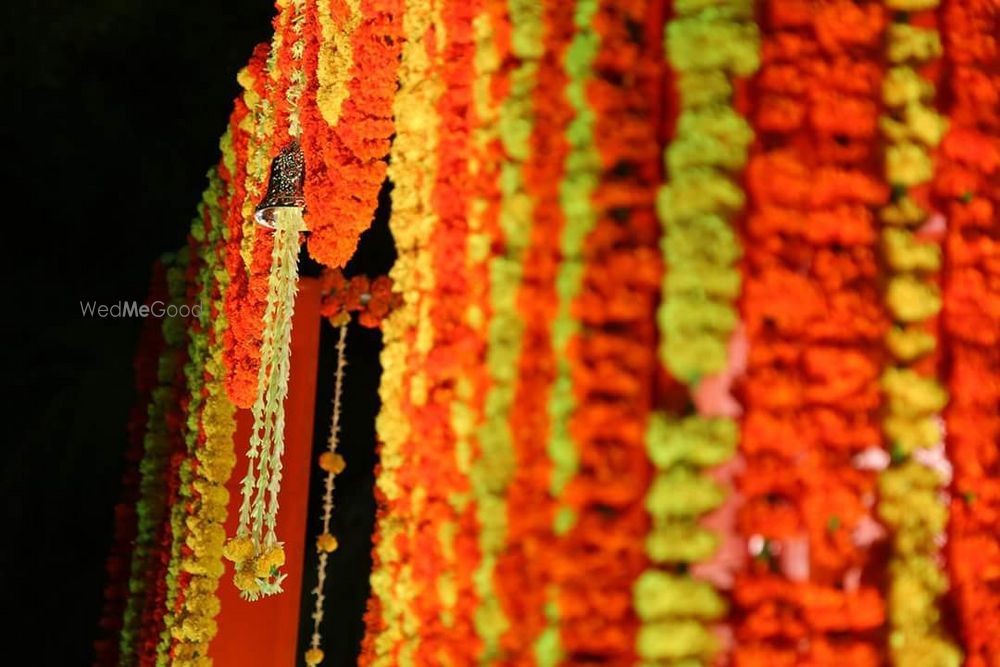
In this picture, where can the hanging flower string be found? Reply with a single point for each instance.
(412, 168)
(910, 487)
(524, 582)
(600, 555)
(351, 57)
(256, 551)
(697, 318)
(967, 189)
(151, 507)
(489, 465)
(815, 327)
(116, 590)
(332, 464)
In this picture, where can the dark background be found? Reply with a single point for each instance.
(112, 111)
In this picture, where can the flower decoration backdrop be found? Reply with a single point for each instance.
(689, 349)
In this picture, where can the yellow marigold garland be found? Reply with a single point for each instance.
(708, 45)
(151, 507)
(910, 491)
(193, 625)
(194, 371)
(514, 126)
(405, 332)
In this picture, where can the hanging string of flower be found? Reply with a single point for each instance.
(613, 361)
(151, 507)
(910, 487)
(967, 189)
(814, 325)
(707, 48)
(211, 457)
(524, 583)
(412, 168)
(199, 288)
(255, 550)
(332, 464)
(350, 61)
(118, 564)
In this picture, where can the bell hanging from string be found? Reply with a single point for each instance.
(285, 186)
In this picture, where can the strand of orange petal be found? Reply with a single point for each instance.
(814, 322)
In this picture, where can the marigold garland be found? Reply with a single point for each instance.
(153, 487)
(211, 457)
(489, 468)
(116, 590)
(967, 186)
(707, 46)
(909, 490)
(613, 360)
(412, 169)
(351, 56)
(524, 581)
(814, 326)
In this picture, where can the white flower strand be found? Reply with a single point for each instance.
(317, 615)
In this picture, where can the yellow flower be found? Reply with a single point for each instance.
(905, 212)
(326, 543)
(314, 656)
(909, 344)
(925, 123)
(332, 463)
(246, 582)
(903, 86)
(905, 253)
(912, 300)
(907, 42)
(238, 549)
(908, 164)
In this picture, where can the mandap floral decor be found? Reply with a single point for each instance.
(691, 349)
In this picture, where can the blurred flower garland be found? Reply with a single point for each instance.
(814, 325)
(151, 508)
(909, 490)
(967, 186)
(118, 566)
(412, 168)
(707, 46)
(600, 556)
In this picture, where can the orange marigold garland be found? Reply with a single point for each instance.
(351, 58)
(445, 601)
(523, 579)
(601, 554)
(406, 332)
(247, 293)
(815, 325)
(478, 412)
(967, 185)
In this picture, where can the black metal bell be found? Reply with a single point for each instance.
(284, 188)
